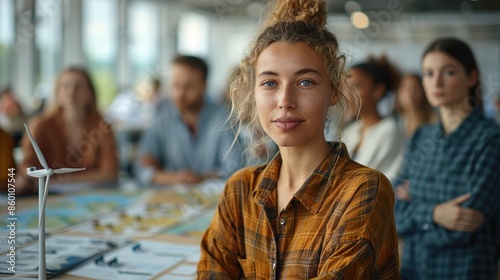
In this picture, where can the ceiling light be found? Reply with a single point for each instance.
(360, 20)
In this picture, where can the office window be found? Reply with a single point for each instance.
(193, 35)
(48, 40)
(100, 46)
(6, 41)
(143, 39)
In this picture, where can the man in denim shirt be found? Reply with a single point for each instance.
(189, 140)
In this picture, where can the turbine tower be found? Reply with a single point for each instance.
(43, 176)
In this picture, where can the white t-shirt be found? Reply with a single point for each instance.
(382, 147)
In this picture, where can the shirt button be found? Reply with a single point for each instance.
(282, 222)
(425, 226)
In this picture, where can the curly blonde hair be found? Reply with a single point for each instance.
(291, 21)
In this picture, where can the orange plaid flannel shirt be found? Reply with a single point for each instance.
(339, 225)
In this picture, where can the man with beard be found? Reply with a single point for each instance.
(188, 141)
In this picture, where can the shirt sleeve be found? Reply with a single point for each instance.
(353, 260)
(485, 194)
(219, 248)
(365, 238)
(411, 217)
(414, 218)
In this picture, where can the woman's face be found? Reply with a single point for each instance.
(292, 94)
(445, 80)
(74, 91)
(410, 93)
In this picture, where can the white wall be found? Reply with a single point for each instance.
(230, 41)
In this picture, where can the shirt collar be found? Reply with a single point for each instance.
(312, 193)
(467, 124)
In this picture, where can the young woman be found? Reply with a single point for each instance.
(373, 140)
(311, 211)
(447, 207)
(71, 133)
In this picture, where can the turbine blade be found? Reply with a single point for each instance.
(44, 201)
(67, 170)
(37, 149)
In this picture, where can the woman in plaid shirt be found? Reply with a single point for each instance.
(312, 212)
(448, 192)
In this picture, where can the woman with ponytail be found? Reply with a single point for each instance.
(311, 212)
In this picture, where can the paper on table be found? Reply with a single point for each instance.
(140, 220)
(62, 253)
(175, 277)
(143, 258)
(194, 258)
(185, 270)
(97, 273)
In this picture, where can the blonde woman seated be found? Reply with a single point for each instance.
(71, 133)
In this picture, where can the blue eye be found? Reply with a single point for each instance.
(306, 83)
(268, 84)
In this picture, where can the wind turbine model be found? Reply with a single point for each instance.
(43, 176)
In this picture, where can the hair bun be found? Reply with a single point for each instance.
(311, 11)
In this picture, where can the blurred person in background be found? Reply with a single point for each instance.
(188, 141)
(414, 110)
(12, 116)
(130, 114)
(71, 133)
(373, 140)
(6, 160)
(497, 108)
(134, 109)
(447, 191)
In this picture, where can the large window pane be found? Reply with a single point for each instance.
(48, 40)
(193, 35)
(6, 41)
(143, 38)
(100, 45)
